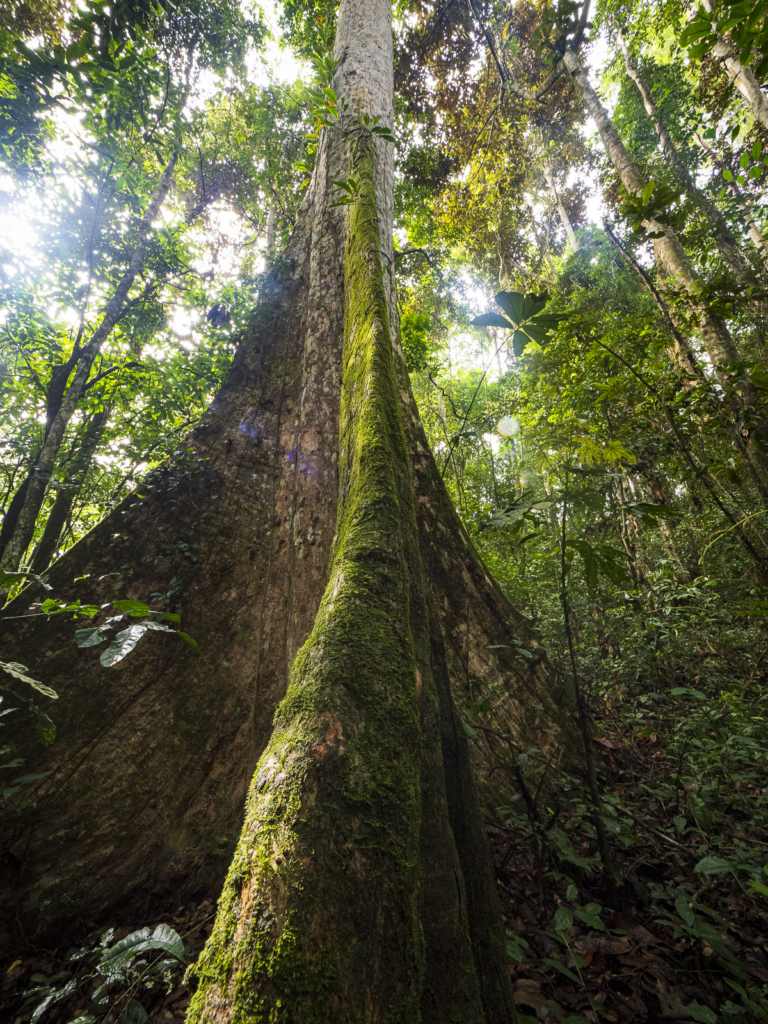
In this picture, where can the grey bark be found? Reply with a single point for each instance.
(565, 220)
(743, 79)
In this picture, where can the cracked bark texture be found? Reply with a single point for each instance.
(261, 514)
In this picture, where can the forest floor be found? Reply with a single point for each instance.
(671, 941)
(667, 943)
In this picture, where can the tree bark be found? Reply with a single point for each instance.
(67, 493)
(316, 558)
(741, 76)
(565, 220)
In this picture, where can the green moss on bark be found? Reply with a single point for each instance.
(345, 901)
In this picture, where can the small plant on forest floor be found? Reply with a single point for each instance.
(100, 980)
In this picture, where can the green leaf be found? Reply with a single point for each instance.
(89, 637)
(713, 866)
(701, 1013)
(755, 172)
(134, 1013)
(492, 320)
(549, 321)
(519, 343)
(744, 162)
(512, 304)
(685, 912)
(757, 149)
(53, 997)
(123, 644)
(162, 938)
(647, 191)
(549, 961)
(590, 915)
(13, 668)
(131, 607)
(537, 334)
(563, 919)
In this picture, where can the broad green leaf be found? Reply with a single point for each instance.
(131, 607)
(547, 320)
(550, 961)
(134, 1013)
(563, 919)
(492, 320)
(684, 910)
(123, 644)
(512, 304)
(647, 192)
(53, 997)
(519, 343)
(537, 334)
(188, 640)
(701, 1013)
(89, 637)
(13, 668)
(160, 627)
(590, 915)
(162, 938)
(713, 866)
(532, 305)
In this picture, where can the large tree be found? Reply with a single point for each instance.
(306, 538)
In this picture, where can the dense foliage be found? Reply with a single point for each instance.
(608, 453)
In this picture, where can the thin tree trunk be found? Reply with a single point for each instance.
(67, 493)
(25, 525)
(271, 221)
(565, 220)
(713, 331)
(741, 76)
(725, 241)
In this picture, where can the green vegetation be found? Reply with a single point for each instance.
(581, 274)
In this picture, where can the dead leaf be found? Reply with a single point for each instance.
(596, 944)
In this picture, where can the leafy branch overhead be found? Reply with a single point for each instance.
(526, 319)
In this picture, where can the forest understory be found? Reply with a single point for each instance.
(383, 480)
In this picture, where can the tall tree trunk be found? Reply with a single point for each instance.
(68, 492)
(721, 233)
(565, 220)
(742, 78)
(361, 887)
(715, 336)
